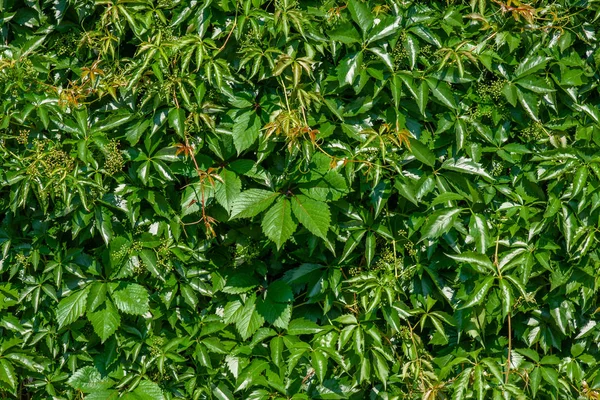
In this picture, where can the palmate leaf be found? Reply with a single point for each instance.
(278, 223)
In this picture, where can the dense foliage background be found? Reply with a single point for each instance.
(299, 199)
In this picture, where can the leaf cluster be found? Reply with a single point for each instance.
(283, 199)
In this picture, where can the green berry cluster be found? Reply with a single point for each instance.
(400, 55)
(214, 95)
(409, 247)
(66, 44)
(23, 137)
(371, 57)
(404, 333)
(491, 91)
(22, 260)
(533, 132)
(386, 261)
(482, 110)
(164, 257)
(497, 168)
(426, 51)
(165, 30)
(250, 39)
(156, 343)
(122, 253)
(355, 271)
(57, 160)
(113, 159)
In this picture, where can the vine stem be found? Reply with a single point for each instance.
(204, 218)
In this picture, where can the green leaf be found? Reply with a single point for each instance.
(370, 247)
(146, 390)
(467, 166)
(278, 223)
(318, 360)
(550, 375)
(591, 111)
(385, 28)
(479, 231)
(227, 189)
(148, 257)
(510, 92)
(478, 382)
(442, 92)
(177, 121)
(221, 392)
(478, 260)
(535, 84)
(530, 103)
(530, 65)
(480, 292)
(361, 15)
(246, 127)
(105, 320)
(461, 133)
(349, 68)
(580, 180)
(439, 222)
(280, 292)
(276, 347)
(411, 45)
(103, 224)
(313, 214)
(252, 202)
(421, 94)
(88, 379)
(353, 241)
(345, 33)
(422, 152)
(382, 369)
(249, 320)
(72, 307)
(536, 379)
(302, 326)
(130, 298)
(7, 374)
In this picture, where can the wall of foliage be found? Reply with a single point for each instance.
(250, 199)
